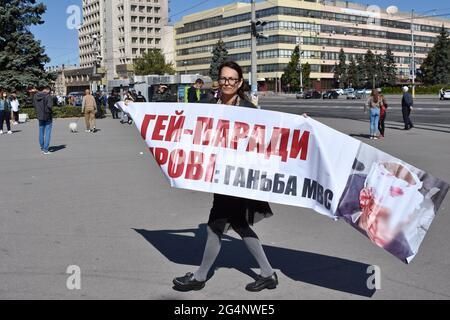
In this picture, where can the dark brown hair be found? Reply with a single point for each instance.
(233, 65)
(375, 95)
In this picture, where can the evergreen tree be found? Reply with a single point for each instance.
(152, 62)
(291, 73)
(370, 66)
(427, 69)
(380, 71)
(442, 59)
(341, 70)
(353, 77)
(220, 55)
(22, 58)
(361, 74)
(306, 70)
(390, 69)
(436, 67)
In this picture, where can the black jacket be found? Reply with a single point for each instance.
(112, 100)
(192, 95)
(43, 104)
(407, 101)
(140, 98)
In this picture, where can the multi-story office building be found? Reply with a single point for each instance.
(322, 28)
(116, 32)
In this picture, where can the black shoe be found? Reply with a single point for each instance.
(263, 283)
(188, 283)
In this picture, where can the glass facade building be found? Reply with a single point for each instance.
(322, 27)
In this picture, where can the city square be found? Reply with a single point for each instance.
(142, 141)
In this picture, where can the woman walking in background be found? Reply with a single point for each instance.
(383, 111)
(5, 112)
(373, 104)
(232, 212)
(15, 108)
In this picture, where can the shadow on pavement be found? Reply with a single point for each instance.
(57, 148)
(365, 136)
(316, 269)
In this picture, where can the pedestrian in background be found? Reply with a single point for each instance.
(162, 95)
(383, 113)
(373, 104)
(140, 97)
(195, 92)
(112, 100)
(43, 104)
(15, 108)
(5, 112)
(212, 95)
(89, 108)
(407, 107)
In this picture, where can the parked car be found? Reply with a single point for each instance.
(76, 98)
(366, 92)
(331, 94)
(354, 95)
(446, 95)
(348, 90)
(312, 94)
(340, 91)
(299, 95)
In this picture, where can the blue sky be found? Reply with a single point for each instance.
(62, 45)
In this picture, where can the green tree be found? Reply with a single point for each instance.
(436, 67)
(427, 68)
(361, 74)
(22, 58)
(152, 62)
(306, 71)
(370, 66)
(380, 71)
(390, 68)
(220, 55)
(442, 58)
(291, 73)
(341, 70)
(353, 77)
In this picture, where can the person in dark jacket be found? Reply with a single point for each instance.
(43, 104)
(407, 107)
(140, 97)
(112, 100)
(162, 95)
(5, 112)
(194, 92)
(212, 95)
(234, 212)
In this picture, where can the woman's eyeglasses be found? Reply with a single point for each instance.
(230, 81)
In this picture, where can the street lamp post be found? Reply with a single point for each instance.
(255, 35)
(300, 61)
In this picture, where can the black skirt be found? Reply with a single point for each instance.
(228, 211)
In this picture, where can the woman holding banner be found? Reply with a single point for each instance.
(228, 211)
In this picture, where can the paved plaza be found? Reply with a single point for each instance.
(100, 202)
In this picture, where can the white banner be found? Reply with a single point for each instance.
(293, 160)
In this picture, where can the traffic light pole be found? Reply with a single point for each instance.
(254, 69)
(413, 56)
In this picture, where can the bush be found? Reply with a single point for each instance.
(419, 89)
(58, 112)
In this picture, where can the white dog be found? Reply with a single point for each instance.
(73, 127)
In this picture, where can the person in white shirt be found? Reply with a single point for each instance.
(15, 108)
